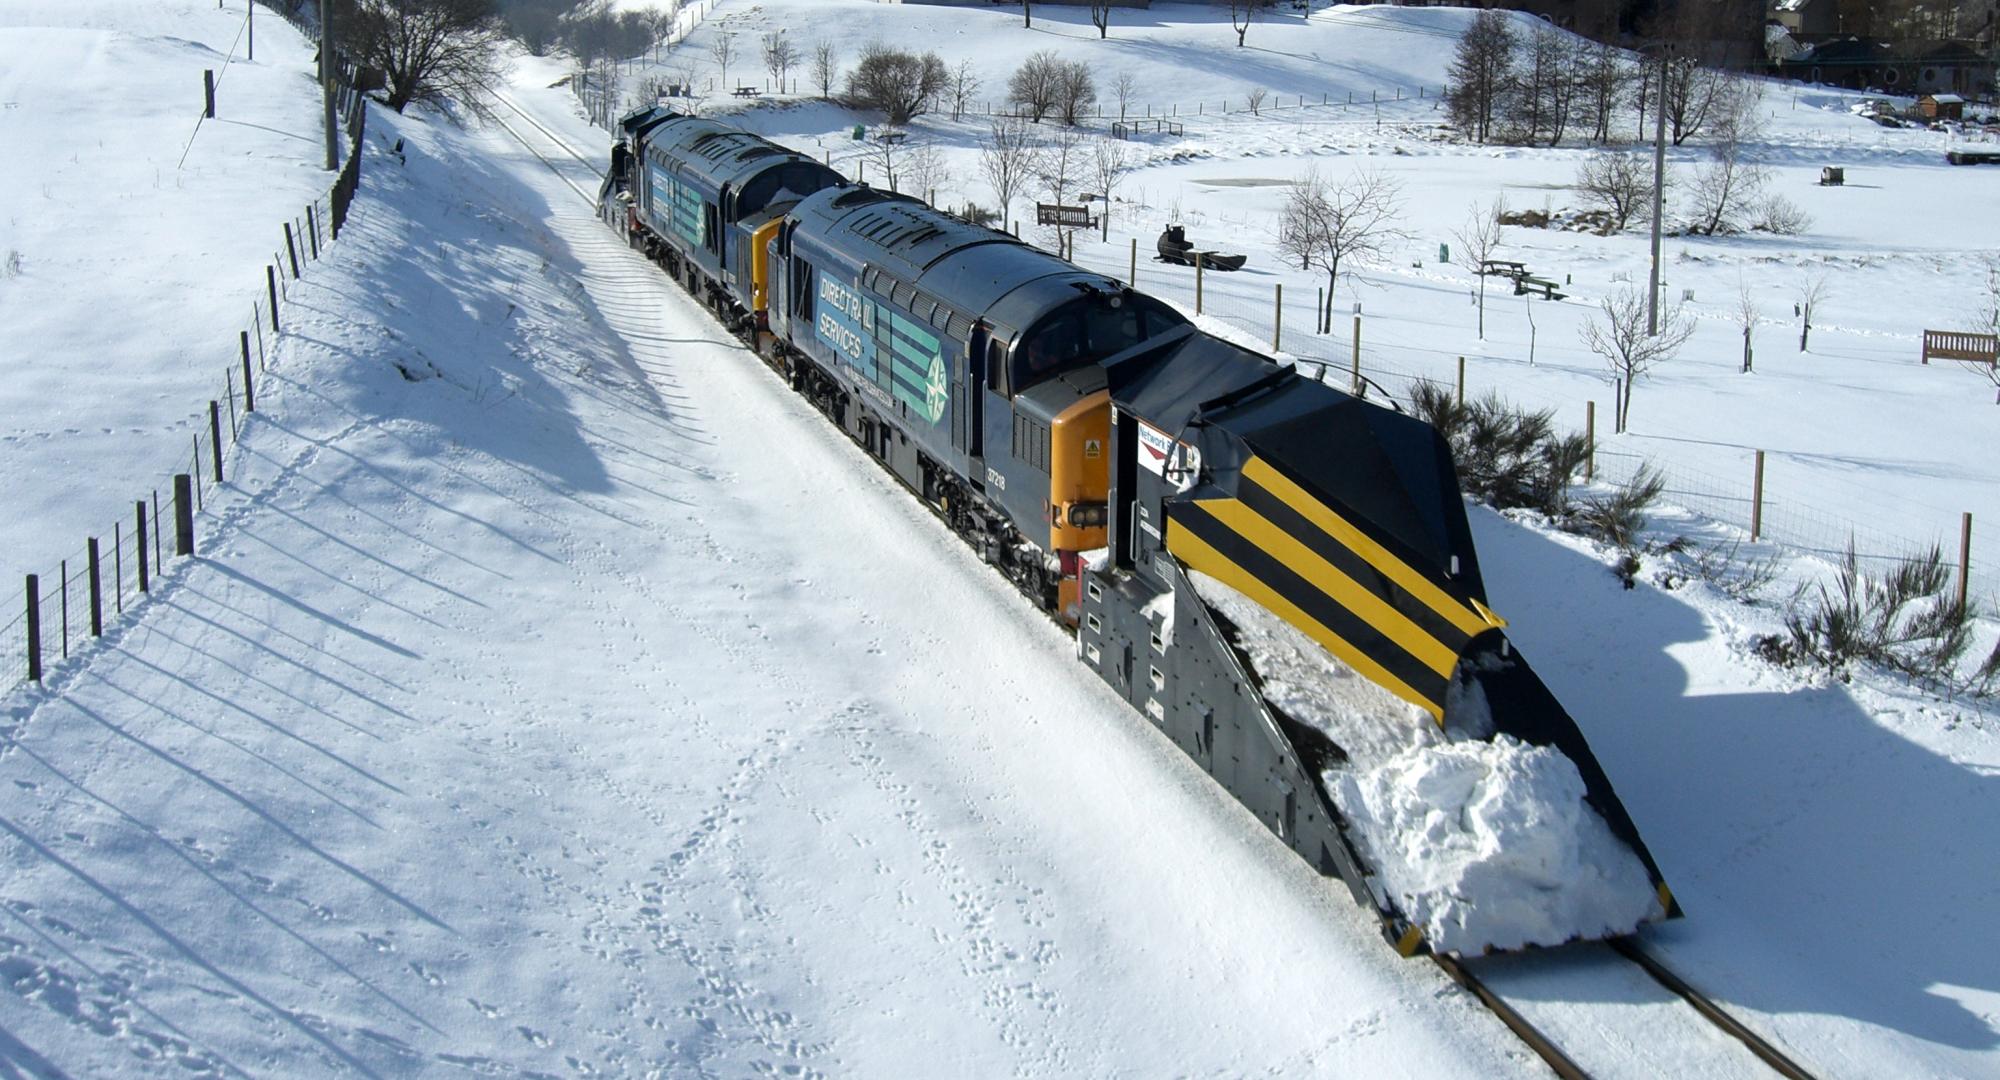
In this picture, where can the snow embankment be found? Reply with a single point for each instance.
(1482, 844)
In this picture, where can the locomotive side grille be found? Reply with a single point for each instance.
(1031, 442)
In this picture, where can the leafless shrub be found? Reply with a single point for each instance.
(779, 56)
(1726, 568)
(1620, 183)
(1905, 621)
(10, 267)
(1619, 517)
(1255, 99)
(897, 83)
(1330, 223)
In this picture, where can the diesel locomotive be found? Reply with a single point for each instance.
(1100, 451)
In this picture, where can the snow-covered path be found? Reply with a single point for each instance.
(564, 697)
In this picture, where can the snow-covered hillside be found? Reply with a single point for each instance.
(126, 268)
(558, 695)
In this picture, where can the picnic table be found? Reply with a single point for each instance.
(1502, 268)
(747, 91)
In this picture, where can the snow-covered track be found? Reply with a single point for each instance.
(529, 146)
(1565, 1047)
(552, 137)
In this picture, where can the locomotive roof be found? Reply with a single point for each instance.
(971, 268)
(716, 152)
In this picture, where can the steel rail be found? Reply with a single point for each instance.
(1783, 1065)
(552, 136)
(1528, 1033)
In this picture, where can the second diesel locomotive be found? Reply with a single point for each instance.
(1102, 452)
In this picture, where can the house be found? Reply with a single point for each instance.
(1942, 106)
(1908, 67)
(1807, 21)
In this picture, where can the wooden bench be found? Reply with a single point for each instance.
(1525, 284)
(1957, 345)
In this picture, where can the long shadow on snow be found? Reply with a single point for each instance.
(440, 276)
(1753, 800)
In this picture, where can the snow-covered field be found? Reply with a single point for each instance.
(557, 695)
(1860, 438)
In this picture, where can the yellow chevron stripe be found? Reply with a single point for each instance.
(1199, 555)
(1328, 579)
(1417, 585)
(1410, 942)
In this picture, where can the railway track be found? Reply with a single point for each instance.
(1566, 1066)
(1460, 972)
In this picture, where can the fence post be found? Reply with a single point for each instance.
(1132, 272)
(34, 628)
(1197, 282)
(159, 558)
(139, 534)
(1461, 382)
(271, 290)
(1590, 440)
(1277, 313)
(118, 566)
(312, 231)
(208, 94)
(1757, 499)
(215, 436)
(1356, 381)
(96, 591)
(291, 250)
(64, 571)
(183, 514)
(1964, 555)
(249, 395)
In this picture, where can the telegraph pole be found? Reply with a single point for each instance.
(1659, 189)
(333, 142)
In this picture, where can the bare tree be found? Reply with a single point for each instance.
(1060, 166)
(1620, 183)
(825, 68)
(1607, 80)
(1241, 12)
(1725, 189)
(1255, 99)
(1124, 88)
(1481, 70)
(426, 50)
(1007, 158)
(1326, 224)
(900, 84)
(1036, 84)
(1100, 17)
(1812, 291)
(923, 169)
(1629, 352)
(1076, 91)
(1988, 322)
(1746, 316)
(779, 56)
(722, 50)
(964, 84)
(1110, 161)
(1478, 239)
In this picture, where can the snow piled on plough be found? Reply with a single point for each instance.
(1481, 841)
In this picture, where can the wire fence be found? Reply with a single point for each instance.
(119, 567)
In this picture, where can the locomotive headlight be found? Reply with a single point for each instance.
(1088, 515)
